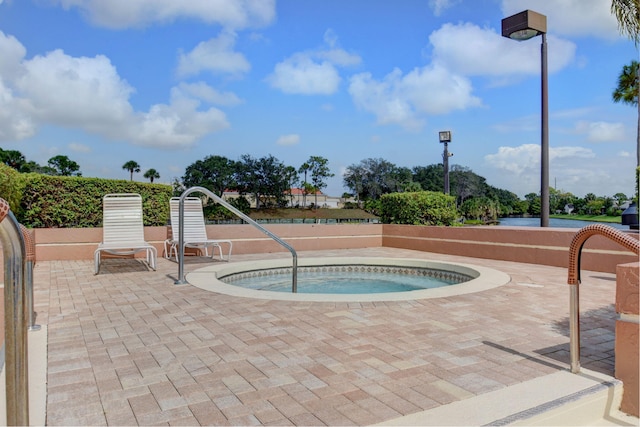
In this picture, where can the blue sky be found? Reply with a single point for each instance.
(167, 83)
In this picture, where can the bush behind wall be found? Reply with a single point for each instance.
(418, 208)
(66, 201)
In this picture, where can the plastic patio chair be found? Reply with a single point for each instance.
(123, 228)
(195, 230)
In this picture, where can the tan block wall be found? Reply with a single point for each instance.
(627, 329)
(81, 243)
(544, 246)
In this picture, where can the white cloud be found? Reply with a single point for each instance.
(235, 14)
(100, 96)
(574, 169)
(215, 55)
(405, 99)
(178, 124)
(466, 47)
(291, 139)
(40, 92)
(601, 131)
(313, 72)
(439, 6)
(571, 17)
(15, 124)
(209, 94)
(299, 74)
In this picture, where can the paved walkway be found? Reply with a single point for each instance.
(129, 347)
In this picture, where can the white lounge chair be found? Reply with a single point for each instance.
(195, 231)
(123, 229)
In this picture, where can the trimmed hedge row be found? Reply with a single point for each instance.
(419, 208)
(45, 201)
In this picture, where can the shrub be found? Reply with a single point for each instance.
(11, 187)
(65, 202)
(419, 208)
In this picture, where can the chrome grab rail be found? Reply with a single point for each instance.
(575, 250)
(16, 360)
(181, 280)
(30, 262)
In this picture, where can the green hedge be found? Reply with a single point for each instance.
(65, 201)
(420, 208)
(11, 186)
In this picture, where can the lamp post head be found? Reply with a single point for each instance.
(524, 25)
(445, 136)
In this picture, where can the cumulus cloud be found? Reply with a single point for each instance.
(87, 93)
(209, 94)
(215, 55)
(313, 72)
(300, 74)
(235, 14)
(601, 131)
(571, 17)
(574, 169)
(291, 139)
(405, 99)
(466, 47)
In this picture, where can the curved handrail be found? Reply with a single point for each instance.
(181, 280)
(16, 356)
(30, 261)
(575, 251)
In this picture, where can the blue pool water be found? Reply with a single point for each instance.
(355, 281)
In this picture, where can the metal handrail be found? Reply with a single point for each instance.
(16, 355)
(573, 279)
(181, 280)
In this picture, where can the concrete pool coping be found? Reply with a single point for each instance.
(484, 278)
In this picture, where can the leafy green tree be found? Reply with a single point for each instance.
(151, 175)
(627, 12)
(371, 178)
(131, 166)
(627, 93)
(291, 175)
(216, 173)
(265, 178)
(13, 158)
(620, 198)
(465, 183)
(534, 203)
(319, 174)
(430, 178)
(304, 184)
(480, 208)
(64, 166)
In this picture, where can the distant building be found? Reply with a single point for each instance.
(295, 198)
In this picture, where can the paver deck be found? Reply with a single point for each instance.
(129, 347)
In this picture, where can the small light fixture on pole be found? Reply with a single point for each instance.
(445, 138)
(523, 26)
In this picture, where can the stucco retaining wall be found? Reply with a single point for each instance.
(544, 246)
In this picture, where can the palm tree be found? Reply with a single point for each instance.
(627, 12)
(151, 174)
(132, 166)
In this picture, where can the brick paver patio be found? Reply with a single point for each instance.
(129, 347)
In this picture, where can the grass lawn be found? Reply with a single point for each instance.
(599, 218)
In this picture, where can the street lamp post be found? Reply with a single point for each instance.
(523, 26)
(445, 138)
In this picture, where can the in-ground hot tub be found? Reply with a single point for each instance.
(468, 278)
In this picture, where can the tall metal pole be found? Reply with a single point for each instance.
(445, 158)
(544, 149)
